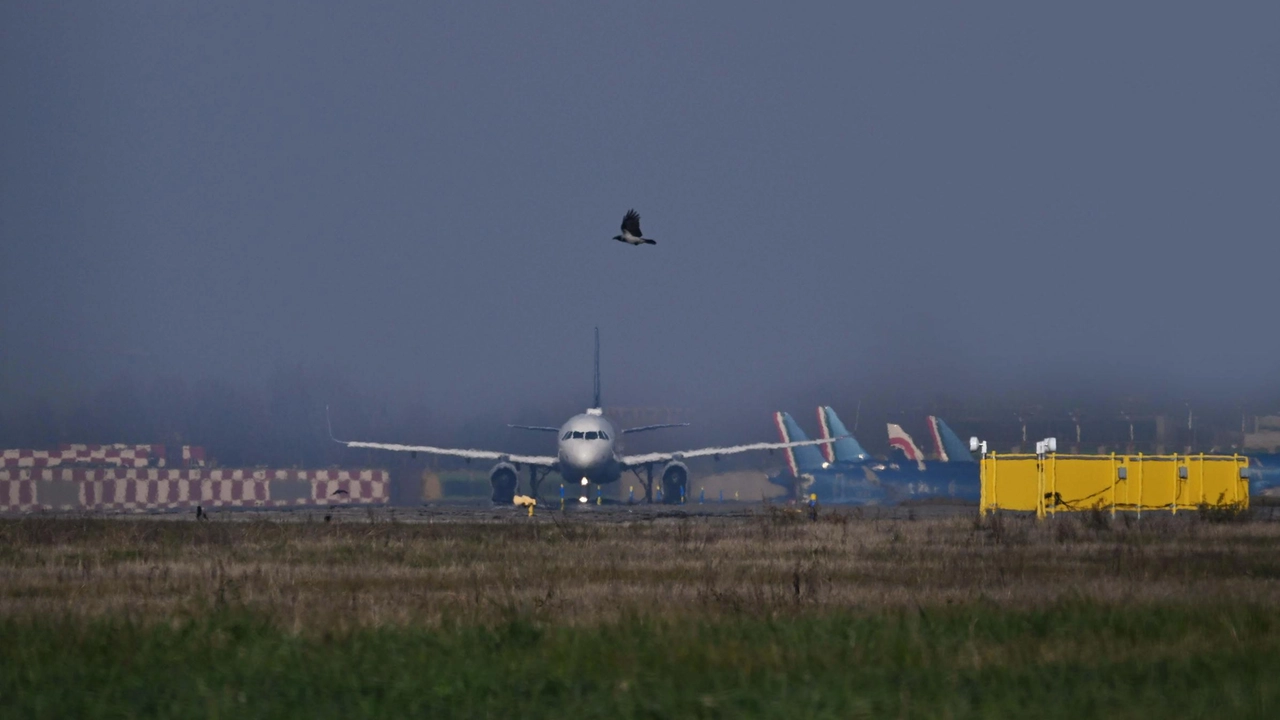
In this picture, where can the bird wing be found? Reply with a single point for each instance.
(631, 223)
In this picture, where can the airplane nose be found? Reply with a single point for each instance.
(587, 455)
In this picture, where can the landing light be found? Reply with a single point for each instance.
(582, 499)
(584, 482)
(826, 465)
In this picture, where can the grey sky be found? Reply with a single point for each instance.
(420, 196)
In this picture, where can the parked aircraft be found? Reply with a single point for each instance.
(899, 440)
(948, 447)
(847, 473)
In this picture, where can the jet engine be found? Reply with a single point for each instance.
(675, 478)
(503, 478)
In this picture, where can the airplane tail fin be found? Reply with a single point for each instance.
(805, 458)
(596, 396)
(898, 438)
(846, 449)
(947, 443)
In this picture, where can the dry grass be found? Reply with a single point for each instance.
(322, 577)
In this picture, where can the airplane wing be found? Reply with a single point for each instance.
(539, 428)
(634, 460)
(644, 428)
(539, 460)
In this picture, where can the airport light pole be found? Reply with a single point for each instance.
(1191, 429)
(979, 446)
(1023, 420)
(1044, 448)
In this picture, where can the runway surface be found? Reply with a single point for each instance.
(472, 512)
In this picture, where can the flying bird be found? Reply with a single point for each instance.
(631, 230)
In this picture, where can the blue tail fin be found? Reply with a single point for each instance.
(947, 443)
(803, 459)
(846, 449)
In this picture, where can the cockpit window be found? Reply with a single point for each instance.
(604, 435)
(592, 434)
(567, 434)
(577, 434)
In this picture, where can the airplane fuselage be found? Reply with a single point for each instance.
(586, 449)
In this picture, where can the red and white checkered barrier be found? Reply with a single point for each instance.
(139, 490)
(192, 456)
(17, 495)
(116, 455)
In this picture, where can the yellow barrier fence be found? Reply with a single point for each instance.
(1062, 483)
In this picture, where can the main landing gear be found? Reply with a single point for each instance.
(674, 482)
(536, 476)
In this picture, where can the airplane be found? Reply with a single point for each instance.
(947, 445)
(845, 448)
(844, 472)
(586, 453)
(840, 472)
(902, 442)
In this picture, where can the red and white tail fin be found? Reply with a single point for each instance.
(899, 439)
(786, 438)
(938, 447)
(824, 431)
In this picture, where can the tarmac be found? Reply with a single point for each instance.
(478, 511)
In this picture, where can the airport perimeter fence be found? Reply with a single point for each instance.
(1052, 483)
(26, 490)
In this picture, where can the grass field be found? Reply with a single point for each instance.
(765, 616)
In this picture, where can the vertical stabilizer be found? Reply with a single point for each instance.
(846, 449)
(947, 443)
(803, 459)
(596, 395)
(899, 439)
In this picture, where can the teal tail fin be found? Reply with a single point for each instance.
(803, 459)
(846, 449)
(947, 443)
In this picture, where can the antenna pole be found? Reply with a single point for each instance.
(597, 386)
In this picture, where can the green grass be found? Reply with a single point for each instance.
(567, 616)
(1074, 659)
